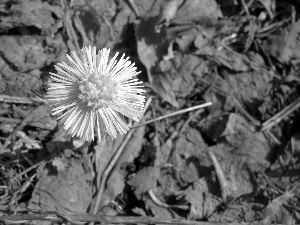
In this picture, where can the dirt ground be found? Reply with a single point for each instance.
(236, 161)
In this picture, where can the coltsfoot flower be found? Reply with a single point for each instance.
(91, 93)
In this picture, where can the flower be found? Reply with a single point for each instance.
(92, 92)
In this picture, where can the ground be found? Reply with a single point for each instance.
(235, 161)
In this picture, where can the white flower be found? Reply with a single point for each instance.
(92, 91)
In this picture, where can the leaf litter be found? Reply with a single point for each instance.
(235, 161)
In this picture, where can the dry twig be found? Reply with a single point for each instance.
(20, 100)
(173, 114)
(80, 218)
(281, 115)
(221, 177)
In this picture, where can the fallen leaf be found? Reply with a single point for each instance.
(116, 181)
(63, 190)
(201, 199)
(162, 85)
(26, 13)
(284, 45)
(249, 145)
(144, 180)
(158, 211)
(151, 46)
(205, 12)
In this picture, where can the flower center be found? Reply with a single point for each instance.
(97, 90)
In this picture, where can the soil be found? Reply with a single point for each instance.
(236, 161)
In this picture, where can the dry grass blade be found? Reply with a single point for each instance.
(281, 115)
(19, 100)
(173, 114)
(221, 177)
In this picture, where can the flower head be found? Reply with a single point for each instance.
(91, 92)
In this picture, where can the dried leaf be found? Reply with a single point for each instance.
(157, 210)
(28, 13)
(151, 46)
(205, 12)
(116, 181)
(162, 85)
(275, 208)
(167, 13)
(65, 190)
(201, 200)
(285, 45)
(144, 180)
(190, 160)
(60, 166)
(251, 146)
(24, 53)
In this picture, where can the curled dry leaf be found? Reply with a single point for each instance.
(285, 45)
(167, 13)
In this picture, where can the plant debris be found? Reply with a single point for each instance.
(235, 161)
